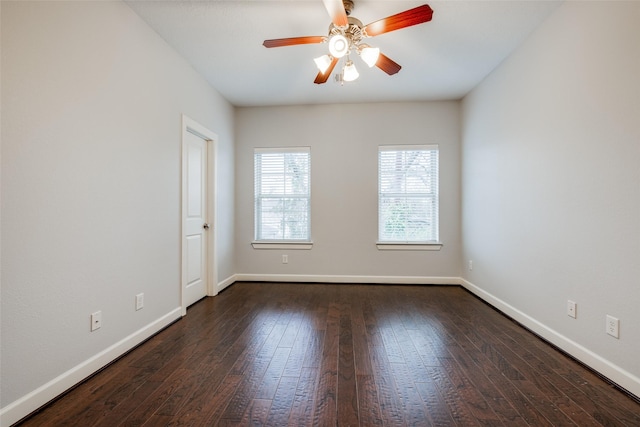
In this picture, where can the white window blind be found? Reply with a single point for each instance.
(282, 194)
(408, 193)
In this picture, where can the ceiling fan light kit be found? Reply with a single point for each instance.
(346, 34)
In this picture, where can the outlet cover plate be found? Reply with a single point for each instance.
(613, 326)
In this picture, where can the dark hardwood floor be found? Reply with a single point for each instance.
(348, 355)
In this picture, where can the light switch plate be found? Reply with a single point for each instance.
(96, 320)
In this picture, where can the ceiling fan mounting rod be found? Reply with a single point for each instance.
(348, 6)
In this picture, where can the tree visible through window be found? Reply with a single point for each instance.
(282, 194)
(408, 193)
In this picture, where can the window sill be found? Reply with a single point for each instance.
(409, 246)
(282, 245)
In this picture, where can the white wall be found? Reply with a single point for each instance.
(344, 140)
(91, 143)
(551, 184)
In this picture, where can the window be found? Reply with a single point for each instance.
(282, 194)
(408, 194)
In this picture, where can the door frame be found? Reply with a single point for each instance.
(191, 126)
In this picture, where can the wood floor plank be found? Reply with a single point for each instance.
(282, 402)
(313, 354)
(303, 401)
(244, 393)
(341, 354)
(257, 413)
(295, 362)
(424, 347)
(291, 331)
(368, 404)
(271, 378)
(362, 359)
(412, 404)
(242, 347)
(220, 399)
(390, 404)
(456, 405)
(473, 398)
(434, 403)
(202, 398)
(470, 362)
(325, 411)
(347, 391)
(155, 400)
(127, 405)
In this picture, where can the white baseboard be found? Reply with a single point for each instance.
(321, 278)
(621, 377)
(225, 283)
(22, 407)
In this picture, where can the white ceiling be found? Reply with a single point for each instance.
(441, 60)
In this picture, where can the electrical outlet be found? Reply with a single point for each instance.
(285, 259)
(470, 265)
(613, 326)
(571, 309)
(96, 320)
(139, 301)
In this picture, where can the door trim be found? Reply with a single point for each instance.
(191, 126)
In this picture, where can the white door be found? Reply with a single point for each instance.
(196, 228)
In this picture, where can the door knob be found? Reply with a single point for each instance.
(205, 226)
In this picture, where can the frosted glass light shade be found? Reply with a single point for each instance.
(370, 55)
(349, 72)
(323, 62)
(338, 46)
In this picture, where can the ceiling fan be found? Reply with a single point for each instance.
(346, 34)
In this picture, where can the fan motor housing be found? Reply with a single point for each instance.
(353, 32)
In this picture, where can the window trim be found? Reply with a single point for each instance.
(284, 243)
(434, 245)
(409, 246)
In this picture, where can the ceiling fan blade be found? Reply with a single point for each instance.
(336, 12)
(387, 65)
(323, 77)
(410, 17)
(291, 41)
